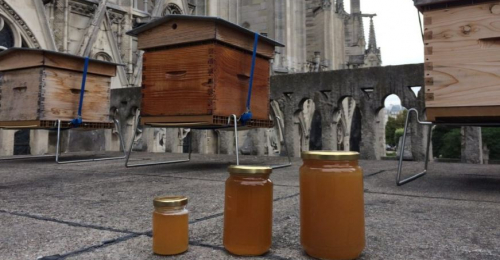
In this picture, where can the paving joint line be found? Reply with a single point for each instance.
(92, 248)
(374, 173)
(134, 235)
(220, 248)
(429, 197)
(69, 223)
(177, 177)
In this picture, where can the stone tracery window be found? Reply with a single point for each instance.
(7, 39)
(172, 9)
(103, 56)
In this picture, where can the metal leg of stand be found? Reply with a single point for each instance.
(280, 127)
(136, 125)
(400, 182)
(236, 146)
(235, 122)
(58, 147)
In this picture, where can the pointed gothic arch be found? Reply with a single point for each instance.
(172, 8)
(21, 33)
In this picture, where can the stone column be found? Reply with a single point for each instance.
(288, 107)
(173, 140)
(226, 142)
(255, 142)
(209, 142)
(369, 133)
(328, 135)
(472, 145)
(112, 141)
(39, 142)
(52, 144)
(7, 142)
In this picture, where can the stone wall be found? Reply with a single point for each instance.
(367, 87)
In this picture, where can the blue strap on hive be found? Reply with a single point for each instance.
(78, 121)
(247, 116)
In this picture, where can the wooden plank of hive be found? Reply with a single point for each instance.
(232, 81)
(61, 96)
(21, 60)
(20, 124)
(467, 114)
(462, 57)
(244, 41)
(177, 32)
(178, 81)
(20, 92)
(75, 63)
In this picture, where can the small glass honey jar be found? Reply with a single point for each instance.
(170, 225)
(332, 220)
(248, 211)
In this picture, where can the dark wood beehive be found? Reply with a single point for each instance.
(462, 60)
(39, 87)
(196, 71)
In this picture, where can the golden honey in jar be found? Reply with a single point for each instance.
(248, 211)
(170, 225)
(332, 221)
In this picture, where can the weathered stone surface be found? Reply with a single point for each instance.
(100, 210)
(472, 145)
(26, 237)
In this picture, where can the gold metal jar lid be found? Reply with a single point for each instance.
(170, 201)
(249, 170)
(330, 155)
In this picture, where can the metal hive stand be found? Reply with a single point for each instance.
(232, 118)
(411, 178)
(58, 127)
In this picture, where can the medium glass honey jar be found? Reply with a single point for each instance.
(170, 225)
(248, 211)
(332, 221)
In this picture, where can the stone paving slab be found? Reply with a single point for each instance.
(28, 238)
(121, 203)
(396, 228)
(140, 248)
(443, 180)
(451, 213)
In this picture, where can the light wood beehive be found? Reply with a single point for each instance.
(462, 60)
(38, 87)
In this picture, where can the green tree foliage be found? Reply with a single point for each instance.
(491, 137)
(446, 141)
(437, 138)
(397, 134)
(392, 125)
(451, 146)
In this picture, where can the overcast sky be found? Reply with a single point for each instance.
(397, 30)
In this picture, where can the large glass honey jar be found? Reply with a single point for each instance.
(332, 223)
(170, 225)
(248, 211)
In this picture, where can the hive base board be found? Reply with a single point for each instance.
(52, 124)
(486, 114)
(59, 128)
(201, 122)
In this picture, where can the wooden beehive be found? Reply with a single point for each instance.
(462, 60)
(196, 71)
(39, 87)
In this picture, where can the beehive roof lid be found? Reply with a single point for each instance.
(22, 58)
(437, 4)
(217, 20)
(16, 49)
